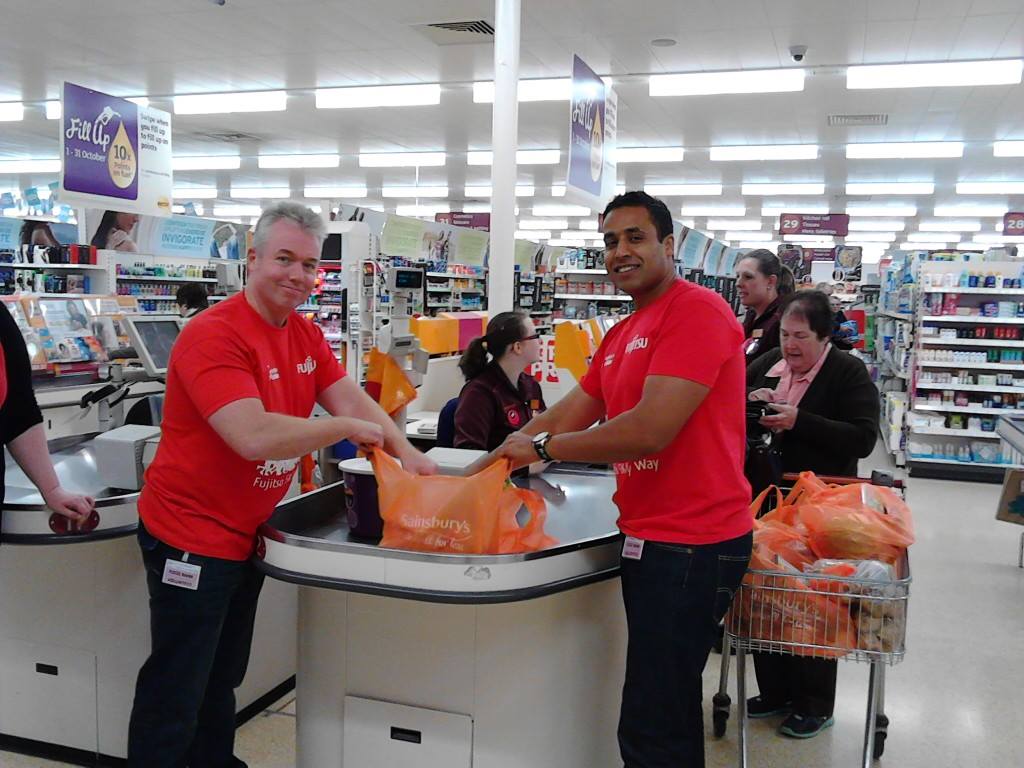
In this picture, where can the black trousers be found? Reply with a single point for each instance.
(184, 709)
(675, 596)
(810, 684)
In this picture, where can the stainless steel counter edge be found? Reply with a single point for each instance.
(51, 539)
(1012, 431)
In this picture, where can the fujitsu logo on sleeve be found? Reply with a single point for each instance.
(638, 342)
(307, 367)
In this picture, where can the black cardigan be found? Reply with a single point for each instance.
(837, 419)
(19, 411)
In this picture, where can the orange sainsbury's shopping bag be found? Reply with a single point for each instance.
(473, 515)
(387, 383)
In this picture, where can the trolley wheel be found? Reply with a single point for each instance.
(881, 732)
(720, 713)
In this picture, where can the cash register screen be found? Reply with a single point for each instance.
(157, 336)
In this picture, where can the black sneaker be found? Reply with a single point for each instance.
(804, 726)
(758, 707)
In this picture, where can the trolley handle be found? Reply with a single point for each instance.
(886, 481)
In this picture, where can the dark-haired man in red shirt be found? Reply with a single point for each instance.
(670, 380)
(242, 381)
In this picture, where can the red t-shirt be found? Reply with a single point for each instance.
(199, 495)
(694, 491)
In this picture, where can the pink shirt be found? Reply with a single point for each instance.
(791, 388)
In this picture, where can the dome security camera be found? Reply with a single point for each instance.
(797, 52)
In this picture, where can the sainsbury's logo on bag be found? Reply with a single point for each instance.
(459, 527)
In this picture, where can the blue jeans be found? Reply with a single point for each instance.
(675, 597)
(184, 709)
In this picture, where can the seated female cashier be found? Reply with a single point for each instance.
(499, 397)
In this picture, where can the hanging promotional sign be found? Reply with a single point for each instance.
(114, 153)
(1013, 223)
(189, 237)
(593, 117)
(836, 224)
(848, 262)
(477, 221)
(692, 247)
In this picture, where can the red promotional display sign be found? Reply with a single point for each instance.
(1013, 224)
(836, 224)
(478, 221)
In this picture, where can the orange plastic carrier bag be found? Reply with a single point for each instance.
(387, 383)
(457, 515)
(858, 522)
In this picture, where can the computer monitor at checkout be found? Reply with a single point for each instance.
(153, 336)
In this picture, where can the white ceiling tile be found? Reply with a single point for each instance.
(886, 42)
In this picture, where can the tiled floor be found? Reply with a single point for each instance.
(955, 701)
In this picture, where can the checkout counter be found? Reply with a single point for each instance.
(74, 628)
(409, 658)
(1011, 429)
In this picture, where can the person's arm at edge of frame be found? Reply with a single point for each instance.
(30, 451)
(344, 398)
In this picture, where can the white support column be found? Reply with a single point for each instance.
(504, 142)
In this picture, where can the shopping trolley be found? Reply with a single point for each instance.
(860, 619)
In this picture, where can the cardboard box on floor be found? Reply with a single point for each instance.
(1011, 505)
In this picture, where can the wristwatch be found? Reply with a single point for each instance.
(540, 445)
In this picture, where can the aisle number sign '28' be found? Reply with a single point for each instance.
(1013, 223)
(115, 154)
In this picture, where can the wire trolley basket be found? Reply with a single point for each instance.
(820, 616)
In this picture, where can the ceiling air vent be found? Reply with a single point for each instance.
(846, 121)
(229, 136)
(458, 32)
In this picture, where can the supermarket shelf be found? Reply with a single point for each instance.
(936, 341)
(581, 272)
(977, 410)
(168, 297)
(985, 291)
(940, 431)
(162, 279)
(974, 319)
(98, 267)
(971, 388)
(895, 315)
(966, 464)
(455, 275)
(1008, 367)
(590, 297)
(432, 289)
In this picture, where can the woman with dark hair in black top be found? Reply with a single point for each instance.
(21, 426)
(762, 281)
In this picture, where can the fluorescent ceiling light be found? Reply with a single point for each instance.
(971, 210)
(709, 83)
(378, 96)
(588, 224)
(890, 188)
(735, 224)
(876, 225)
(986, 238)
(544, 224)
(11, 111)
(620, 189)
(195, 193)
(207, 163)
(561, 210)
(874, 237)
(810, 240)
(558, 191)
(905, 150)
(1008, 149)
(755, 244)
(523, 157)
(299, 161)
(340, 192)
(261, 193)
(425, 191)
(522, 190)
(915, 246)
(713, 210)
(237, 210)
(649, 154)
(402, 159)
(1001, 72)
(533, 234)
(30, 166)
(777, 207)
(478, 208)
(948, 237)
(53, 110)
(873, 209)
(222, 103)
(766, 152)
(990, 187)
(674, 190)
(422, 210)
(784, 189)
(751, 236)
(951, 225)
(549, 89)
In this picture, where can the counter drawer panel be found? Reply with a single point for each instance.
(379, 734)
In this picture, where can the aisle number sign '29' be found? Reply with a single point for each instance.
(593, 116)
(115, 154)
